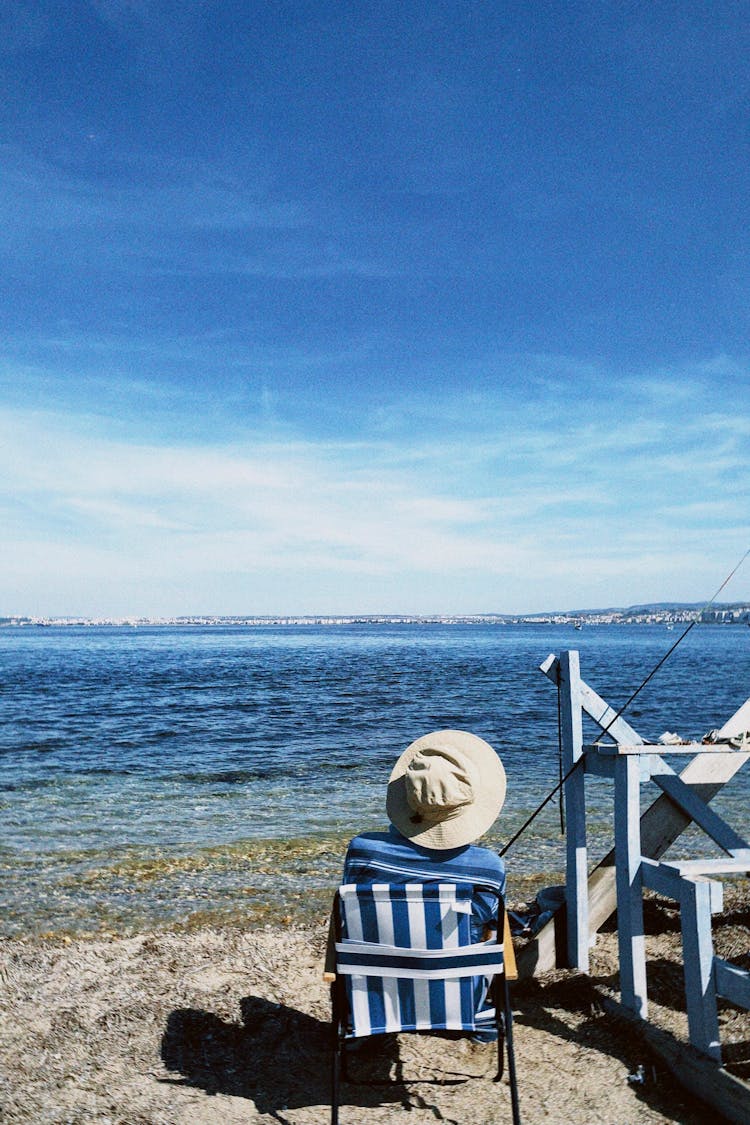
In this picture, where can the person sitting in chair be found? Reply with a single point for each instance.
(445, 791)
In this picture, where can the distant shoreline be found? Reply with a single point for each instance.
(736, 613)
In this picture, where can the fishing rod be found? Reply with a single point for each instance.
(679, 640)
(622, 710)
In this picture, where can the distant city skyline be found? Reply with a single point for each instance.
(379, 308)
(724, 613)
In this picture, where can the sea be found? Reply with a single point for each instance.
(178, 776)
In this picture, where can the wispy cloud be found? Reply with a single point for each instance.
(93, 185)
(577, 513)
(175, 216)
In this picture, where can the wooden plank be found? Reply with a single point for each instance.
(509, 965)
(630, 935)
(739, 722)
(651, 764)
(594, 706)
(670, 883)
(614, 751)
(698, 964)
(736, 865)
(546, 949)
(600, 767)
(661, 824)
(661, 879)
(698, 811)
(732, 982)
(576, 882)
(604, 716)
(707, 775)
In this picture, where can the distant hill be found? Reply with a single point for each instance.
(647, 607)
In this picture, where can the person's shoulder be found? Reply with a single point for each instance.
(368, 840)
(485, 858)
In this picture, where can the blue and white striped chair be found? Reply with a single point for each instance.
(405, 961)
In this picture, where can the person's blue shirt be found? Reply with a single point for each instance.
(388, 857)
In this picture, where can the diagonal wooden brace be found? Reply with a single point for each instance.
(661, 823)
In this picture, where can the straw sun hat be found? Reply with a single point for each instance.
(446, 789)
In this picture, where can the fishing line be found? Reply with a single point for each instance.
(561, 803)
(539, 808)
(612, 721)
(679, 640)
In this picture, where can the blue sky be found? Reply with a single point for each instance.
(377, 307)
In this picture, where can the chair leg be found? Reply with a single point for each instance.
(336, 1051)
(335, 1083)
(500, 1051)
(511, 1056)
(500, 1027)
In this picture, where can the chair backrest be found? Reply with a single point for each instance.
(408, 960)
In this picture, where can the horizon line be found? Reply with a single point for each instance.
(671, 610)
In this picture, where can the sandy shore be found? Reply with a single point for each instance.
(221, 1025)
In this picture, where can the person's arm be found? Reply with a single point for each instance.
(346, 876)
(491, 871)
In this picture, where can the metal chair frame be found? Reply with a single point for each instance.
(499, 990)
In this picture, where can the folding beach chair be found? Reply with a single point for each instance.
(405, 961)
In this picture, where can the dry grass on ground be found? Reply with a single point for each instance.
(226, 1026)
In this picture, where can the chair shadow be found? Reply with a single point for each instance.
(278, 1057)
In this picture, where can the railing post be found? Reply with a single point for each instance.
(629, 881)
(698, 961)
(576, 867)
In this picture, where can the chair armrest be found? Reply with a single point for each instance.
(329, 965)
(511, 971)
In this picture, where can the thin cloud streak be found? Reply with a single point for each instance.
(108, 511)
(176, 218)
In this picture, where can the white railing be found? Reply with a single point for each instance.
(640, 842)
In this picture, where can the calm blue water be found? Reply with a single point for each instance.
(161, 774)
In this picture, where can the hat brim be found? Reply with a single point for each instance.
(471, 821)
